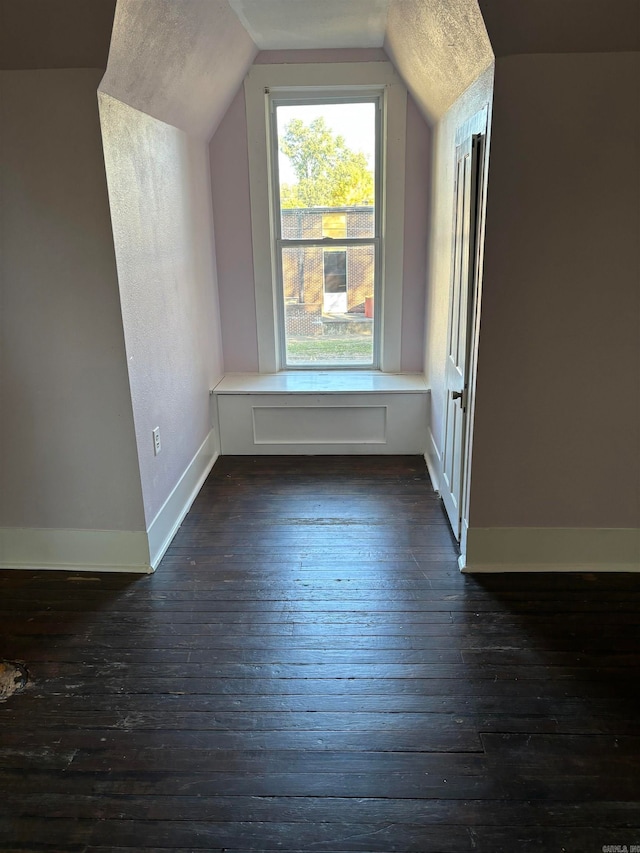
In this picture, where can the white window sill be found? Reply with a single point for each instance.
(322, 382)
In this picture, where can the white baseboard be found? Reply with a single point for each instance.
(166, 523)
(109, 550)
(74, 550)
(434, 462)
(464, 536)
(541, 549)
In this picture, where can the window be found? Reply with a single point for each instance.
(325, 182)
(327, 265)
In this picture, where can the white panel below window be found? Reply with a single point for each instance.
(354, 423)
(320, 425)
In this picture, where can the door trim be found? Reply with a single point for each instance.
(478, 127)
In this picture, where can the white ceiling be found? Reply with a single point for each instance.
(295, 24)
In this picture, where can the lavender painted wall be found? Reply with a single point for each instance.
(68, 447)
(556, 441)
(232, 219)
(416, 236)
(158, 180)
(173, 70)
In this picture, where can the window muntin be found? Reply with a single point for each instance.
(327, 293)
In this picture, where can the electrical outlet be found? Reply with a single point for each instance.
(157, 447)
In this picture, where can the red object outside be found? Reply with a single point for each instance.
(368, 307)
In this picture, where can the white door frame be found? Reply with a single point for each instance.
(477, 126)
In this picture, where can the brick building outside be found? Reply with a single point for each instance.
(328, 290)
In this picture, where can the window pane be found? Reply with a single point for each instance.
(326, 166)
(311, 224)
(334, 225)
(328, 305)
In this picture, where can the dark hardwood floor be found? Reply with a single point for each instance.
(309, 671)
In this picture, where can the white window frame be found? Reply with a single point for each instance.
(329, 77)
(279, 97)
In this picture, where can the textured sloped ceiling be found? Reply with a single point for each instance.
(439, 48)
(180, 62)
(562, 26)
(55, 33)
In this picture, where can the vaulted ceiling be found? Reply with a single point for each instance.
(76, 33)
(514, 26)
(182, 60)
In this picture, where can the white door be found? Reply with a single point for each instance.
(466, 214)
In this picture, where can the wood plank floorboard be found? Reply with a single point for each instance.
(307, 670)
